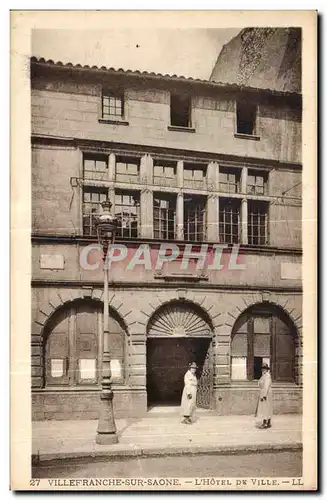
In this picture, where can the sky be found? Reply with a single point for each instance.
(187, 52)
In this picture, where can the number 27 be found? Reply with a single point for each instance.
(34, 482)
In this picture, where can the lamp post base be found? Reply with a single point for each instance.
(106, 439)
(106, 432)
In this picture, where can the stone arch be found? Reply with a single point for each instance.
(283, 314)
(69, 311)
(204, 303)
(242, 304)
(64, 298)
(180, 317)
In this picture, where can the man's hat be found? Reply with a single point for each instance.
(193, 365)
(265, 367)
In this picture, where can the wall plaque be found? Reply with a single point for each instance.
(54, 261)
(291, 271)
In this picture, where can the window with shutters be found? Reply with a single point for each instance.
(72, 351)
(229, 180)
(257, 183)
(164, 173)
(263, 335)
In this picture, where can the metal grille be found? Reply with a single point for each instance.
(257, 223)
(127, 211)
(205, 383)
(229, 221)
(164, 218)
(92, 199)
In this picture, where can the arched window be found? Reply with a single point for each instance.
(72, 351)
(263, 334)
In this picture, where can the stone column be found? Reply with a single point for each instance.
(244, 207)
(112, 167)
(146, 218)
(213, 218)
(180, 216)
(180, 174)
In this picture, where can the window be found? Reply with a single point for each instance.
(264, 334)
(257, 222)
(229, 220)
(164, 173)
(229, 180)
(246, 117)
(127, 211)
(112, 105)
(164, 216)
(92, 199)
(95, 167)
(194, 218)
(256, 183)
(180, 111)
(127, 169)
(72, 354)
(194, 176)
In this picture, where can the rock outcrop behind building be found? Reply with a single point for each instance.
(267, 58)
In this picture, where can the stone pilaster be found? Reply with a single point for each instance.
(180, 174)
(213, 218)
(244, 222)
(137, 361)
(244, 207)
(146, 229)
(146, 170)
(112, 167)
(180, 217)
(111, 197)
(213, 176)
(221, 357)
(298, 362)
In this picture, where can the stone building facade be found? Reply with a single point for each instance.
(200, 167)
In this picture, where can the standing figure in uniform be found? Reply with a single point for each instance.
(189, 394)
(264, 406)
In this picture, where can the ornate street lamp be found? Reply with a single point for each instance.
(106, 431)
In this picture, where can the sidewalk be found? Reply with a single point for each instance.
(160, 433)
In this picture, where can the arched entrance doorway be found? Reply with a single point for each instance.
(178, 333)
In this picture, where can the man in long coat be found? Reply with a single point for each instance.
(264, 406)
(189, 394)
